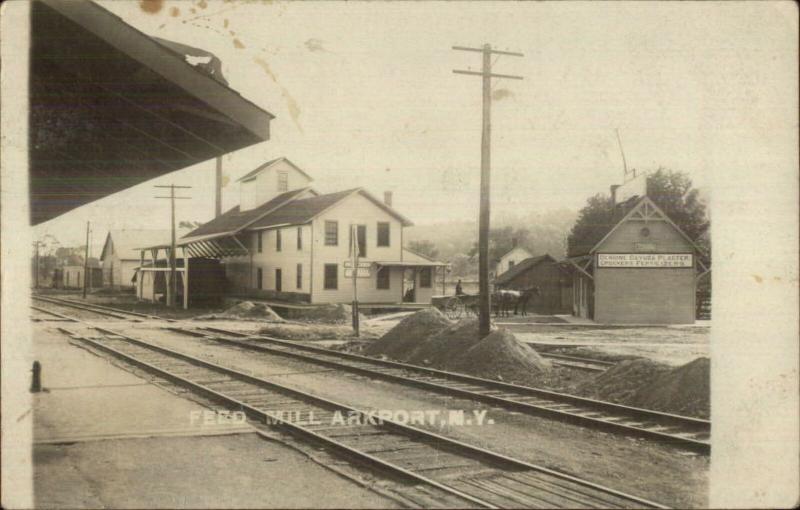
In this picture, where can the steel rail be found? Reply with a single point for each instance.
(54, 314)
(99, 309)
(493, 459)
(507, 397)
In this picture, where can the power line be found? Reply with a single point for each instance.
(173, 280)
(483, 229)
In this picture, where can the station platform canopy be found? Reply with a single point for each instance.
(111, 107)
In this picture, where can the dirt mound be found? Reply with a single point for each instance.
(246, 310)
(428, 338)
(621, 382)
(331, 313)
(440, 349)
(500, 354)
(682, 390)
(400, 341)
(651, 385)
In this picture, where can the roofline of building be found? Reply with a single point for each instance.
(541, 258)
(139, 46)
(252, 174)
(630, 213)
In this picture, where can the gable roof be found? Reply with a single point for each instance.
(302, 210)
(640, 203)
(413, 256)
(523, 266)
(127, 243)
(234, 219)
(253, 173)
(298, 212)
(592, 236)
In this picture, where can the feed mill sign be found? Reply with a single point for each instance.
(651, 260)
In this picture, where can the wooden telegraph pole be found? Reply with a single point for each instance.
(86, 262)
(483, 226)
(173, 277)
(36, 245)
(354, 261)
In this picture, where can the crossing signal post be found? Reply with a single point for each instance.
(483, 224)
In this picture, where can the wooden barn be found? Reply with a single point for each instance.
(544, 272)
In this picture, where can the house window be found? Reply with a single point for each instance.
(278, 280)
(331, 233)
(259, 279)
(283, 181)
(260, 241)
(425, 277)
(383, 278)
(278, 240)
(299, 276)
(383, 233)
(331, 276)
(362, 239)
(299, 238)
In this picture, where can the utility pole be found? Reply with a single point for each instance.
(483, 223)
(86, 262)
(173, 277)
(218, 188)
(354, 260)
(36, 245)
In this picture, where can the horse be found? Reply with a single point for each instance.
(504, 300)
(525, 296)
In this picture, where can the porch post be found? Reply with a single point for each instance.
(139, 286)
(154, 254)
(185, 279)
(168, 279)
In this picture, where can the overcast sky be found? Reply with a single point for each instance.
(364, 95)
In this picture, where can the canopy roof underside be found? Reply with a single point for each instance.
(111, 107)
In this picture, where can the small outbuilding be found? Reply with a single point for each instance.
(543, 272)
(640, 269)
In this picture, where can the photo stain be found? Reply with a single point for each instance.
(202, 4)
(500, 94)
(174, 12)
(757, 278)
(238, 44)
(225, 23)
(151, 6)
(291, 103)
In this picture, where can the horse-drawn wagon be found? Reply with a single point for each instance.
(503, 302)
(455, 307)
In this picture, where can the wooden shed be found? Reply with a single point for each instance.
(544, 272)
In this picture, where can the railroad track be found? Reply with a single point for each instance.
(588, 364)
(452, 473)
(680, 431)
(106, 311)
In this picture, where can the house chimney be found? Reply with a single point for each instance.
(387, 198)
(614, 194)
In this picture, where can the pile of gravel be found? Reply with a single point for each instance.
(644, 383)
(400, 341)
(245, 310)
(682, 390)
(500, 354)
(330, 313)
(428, 338)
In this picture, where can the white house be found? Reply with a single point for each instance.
(513, 257)
(285, 241)
(121, 253)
